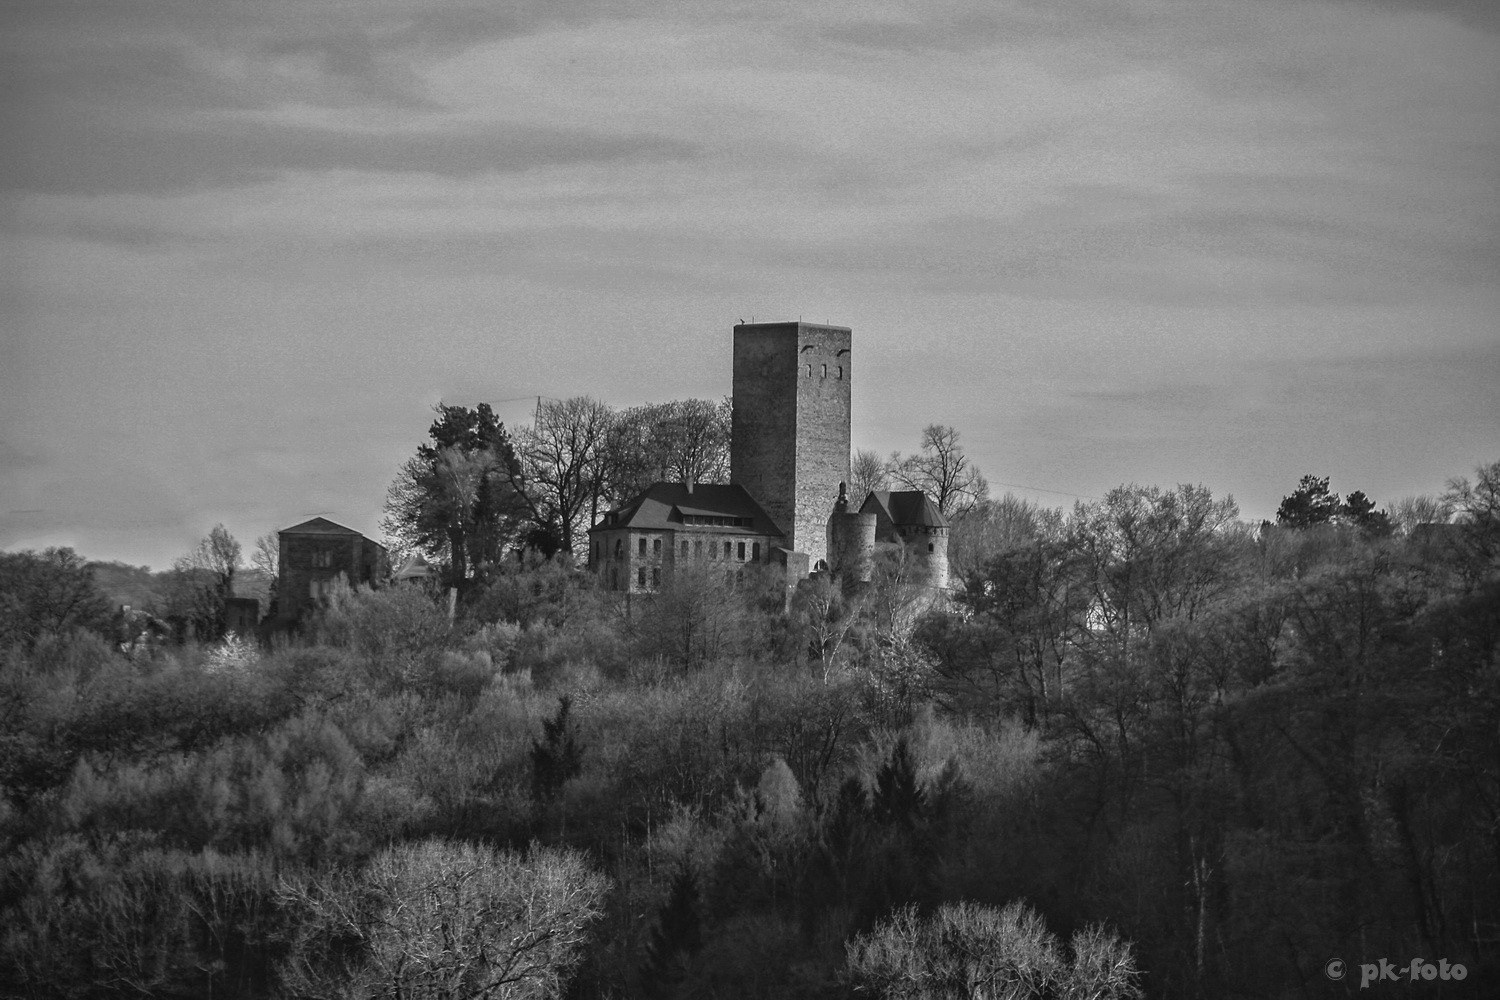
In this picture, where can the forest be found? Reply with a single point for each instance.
(1143, 749)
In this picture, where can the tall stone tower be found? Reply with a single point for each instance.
(790, 448)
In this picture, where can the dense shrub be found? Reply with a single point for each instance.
(128, 917)
(398, 634)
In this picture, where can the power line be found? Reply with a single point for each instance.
(1043, 489)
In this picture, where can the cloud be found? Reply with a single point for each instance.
(253, 242)
(99, 157)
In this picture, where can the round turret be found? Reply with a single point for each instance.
(927, 548)
(851, 542)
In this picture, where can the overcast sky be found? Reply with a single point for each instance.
(248, 245)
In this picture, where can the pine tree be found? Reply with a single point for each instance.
(557, 756)
(1359, 511)
(1310, 503)
(899, 799)
(677, 937)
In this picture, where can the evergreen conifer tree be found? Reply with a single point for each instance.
(557, 756)
(677, 937)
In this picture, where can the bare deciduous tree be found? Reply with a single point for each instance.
(677, 441)
(1408, 512)
(994, 526)
(563, 465)
(941, 470)
(866, 474)
(436, 919)
(266, 556)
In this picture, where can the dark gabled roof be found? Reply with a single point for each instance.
(663, 505)
(323, 526)
(904, 508)
(318, 526)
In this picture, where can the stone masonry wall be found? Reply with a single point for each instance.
(791, 440)
(627, 568)
(763, 444)
(302, 567)
(824, 379)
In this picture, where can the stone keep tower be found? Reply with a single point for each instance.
(790, 448)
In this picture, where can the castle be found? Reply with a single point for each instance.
(785, 508)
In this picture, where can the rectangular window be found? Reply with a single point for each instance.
(656, 576)
(656, 546)
(322, 560)
(726, 550)
(739, 552)
(684, 548)
(643, 546)
(698, 549)
(640, 576)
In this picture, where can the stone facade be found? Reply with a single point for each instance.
(316, 553)
(713, 527)
(791, 424)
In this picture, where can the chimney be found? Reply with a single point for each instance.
(689, 485)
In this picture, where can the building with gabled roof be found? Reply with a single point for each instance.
(670, 525)
(316, 553)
